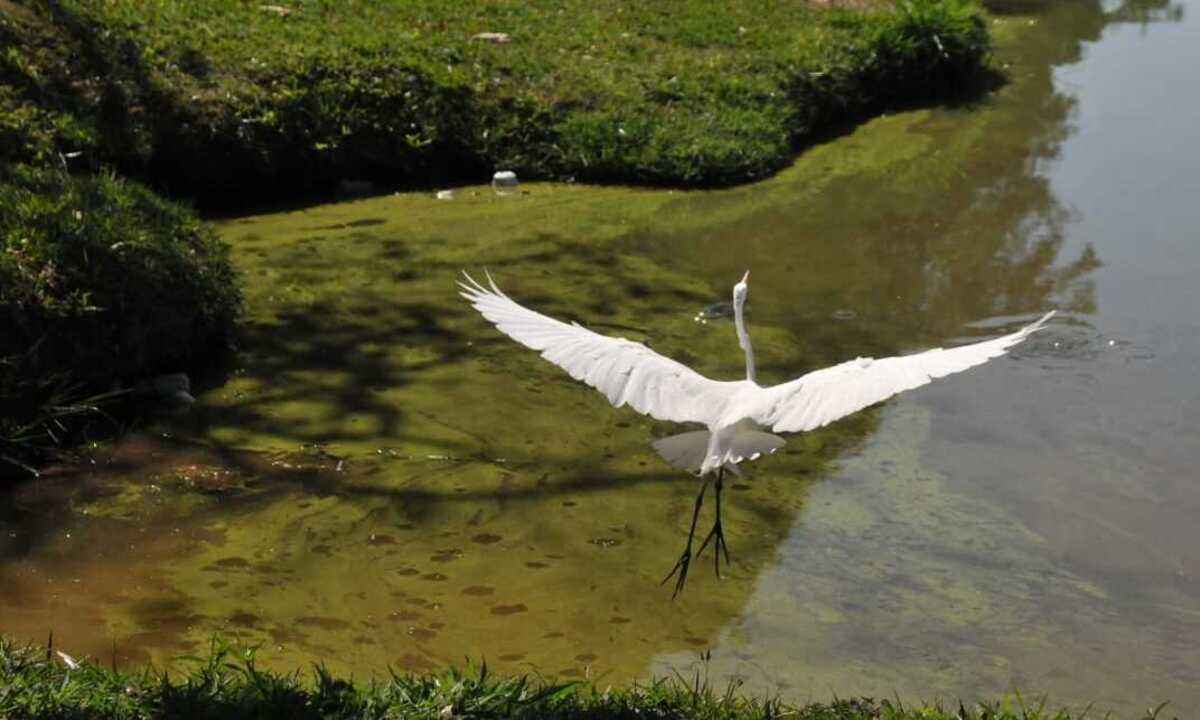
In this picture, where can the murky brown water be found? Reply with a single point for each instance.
(386, 481)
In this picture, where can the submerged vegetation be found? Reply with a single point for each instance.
(227, 683)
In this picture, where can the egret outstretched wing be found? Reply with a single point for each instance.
(822, 396)
(737, 413)
(627, 372)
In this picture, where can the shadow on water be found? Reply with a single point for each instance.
(345, 349)
(382, 479)
(299, 343)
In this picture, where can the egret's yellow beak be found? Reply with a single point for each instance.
(746, 277)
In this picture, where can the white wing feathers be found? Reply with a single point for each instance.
(822, 396)
(627, 372)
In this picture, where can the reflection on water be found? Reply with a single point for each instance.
(384, 480)
(1031, 525)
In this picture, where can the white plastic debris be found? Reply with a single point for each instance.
(505, 182)
(445, 194)
(498, 38)
(69, 661)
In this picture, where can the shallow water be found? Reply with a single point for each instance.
(384, 480)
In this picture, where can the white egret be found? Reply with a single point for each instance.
(740, 417)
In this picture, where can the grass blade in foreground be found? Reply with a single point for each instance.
(227, 683)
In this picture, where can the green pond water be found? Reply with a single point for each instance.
(384, 480)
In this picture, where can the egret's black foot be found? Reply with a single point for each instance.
(717, 537)
(681, 567)
(717, 534)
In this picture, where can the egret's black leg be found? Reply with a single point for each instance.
(681, 566)
(717, 534)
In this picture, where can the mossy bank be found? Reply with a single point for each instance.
(44, 683)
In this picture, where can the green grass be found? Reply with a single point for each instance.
(224, 98)
(102, 283)
(227, 684)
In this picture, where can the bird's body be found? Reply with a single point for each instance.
(741, 417)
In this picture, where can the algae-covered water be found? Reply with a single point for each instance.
(382, 479)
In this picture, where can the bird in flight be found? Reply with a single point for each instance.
(741, 418)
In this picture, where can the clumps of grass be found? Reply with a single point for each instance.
(49, 106)
(228, 99)
(64, 412)
(228, 683)
(102, 276)
(102, 283)
(925, 50)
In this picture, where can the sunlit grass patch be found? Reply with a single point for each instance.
(226, 97)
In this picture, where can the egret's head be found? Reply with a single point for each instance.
(740, 290)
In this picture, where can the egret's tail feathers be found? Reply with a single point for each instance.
(685, 450)
(741, 445)
(690, 450)
(750, 444)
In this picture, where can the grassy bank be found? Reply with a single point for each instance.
(102, 283)
(41, 683)
(227, 99)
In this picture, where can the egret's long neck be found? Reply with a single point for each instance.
(744, 340)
